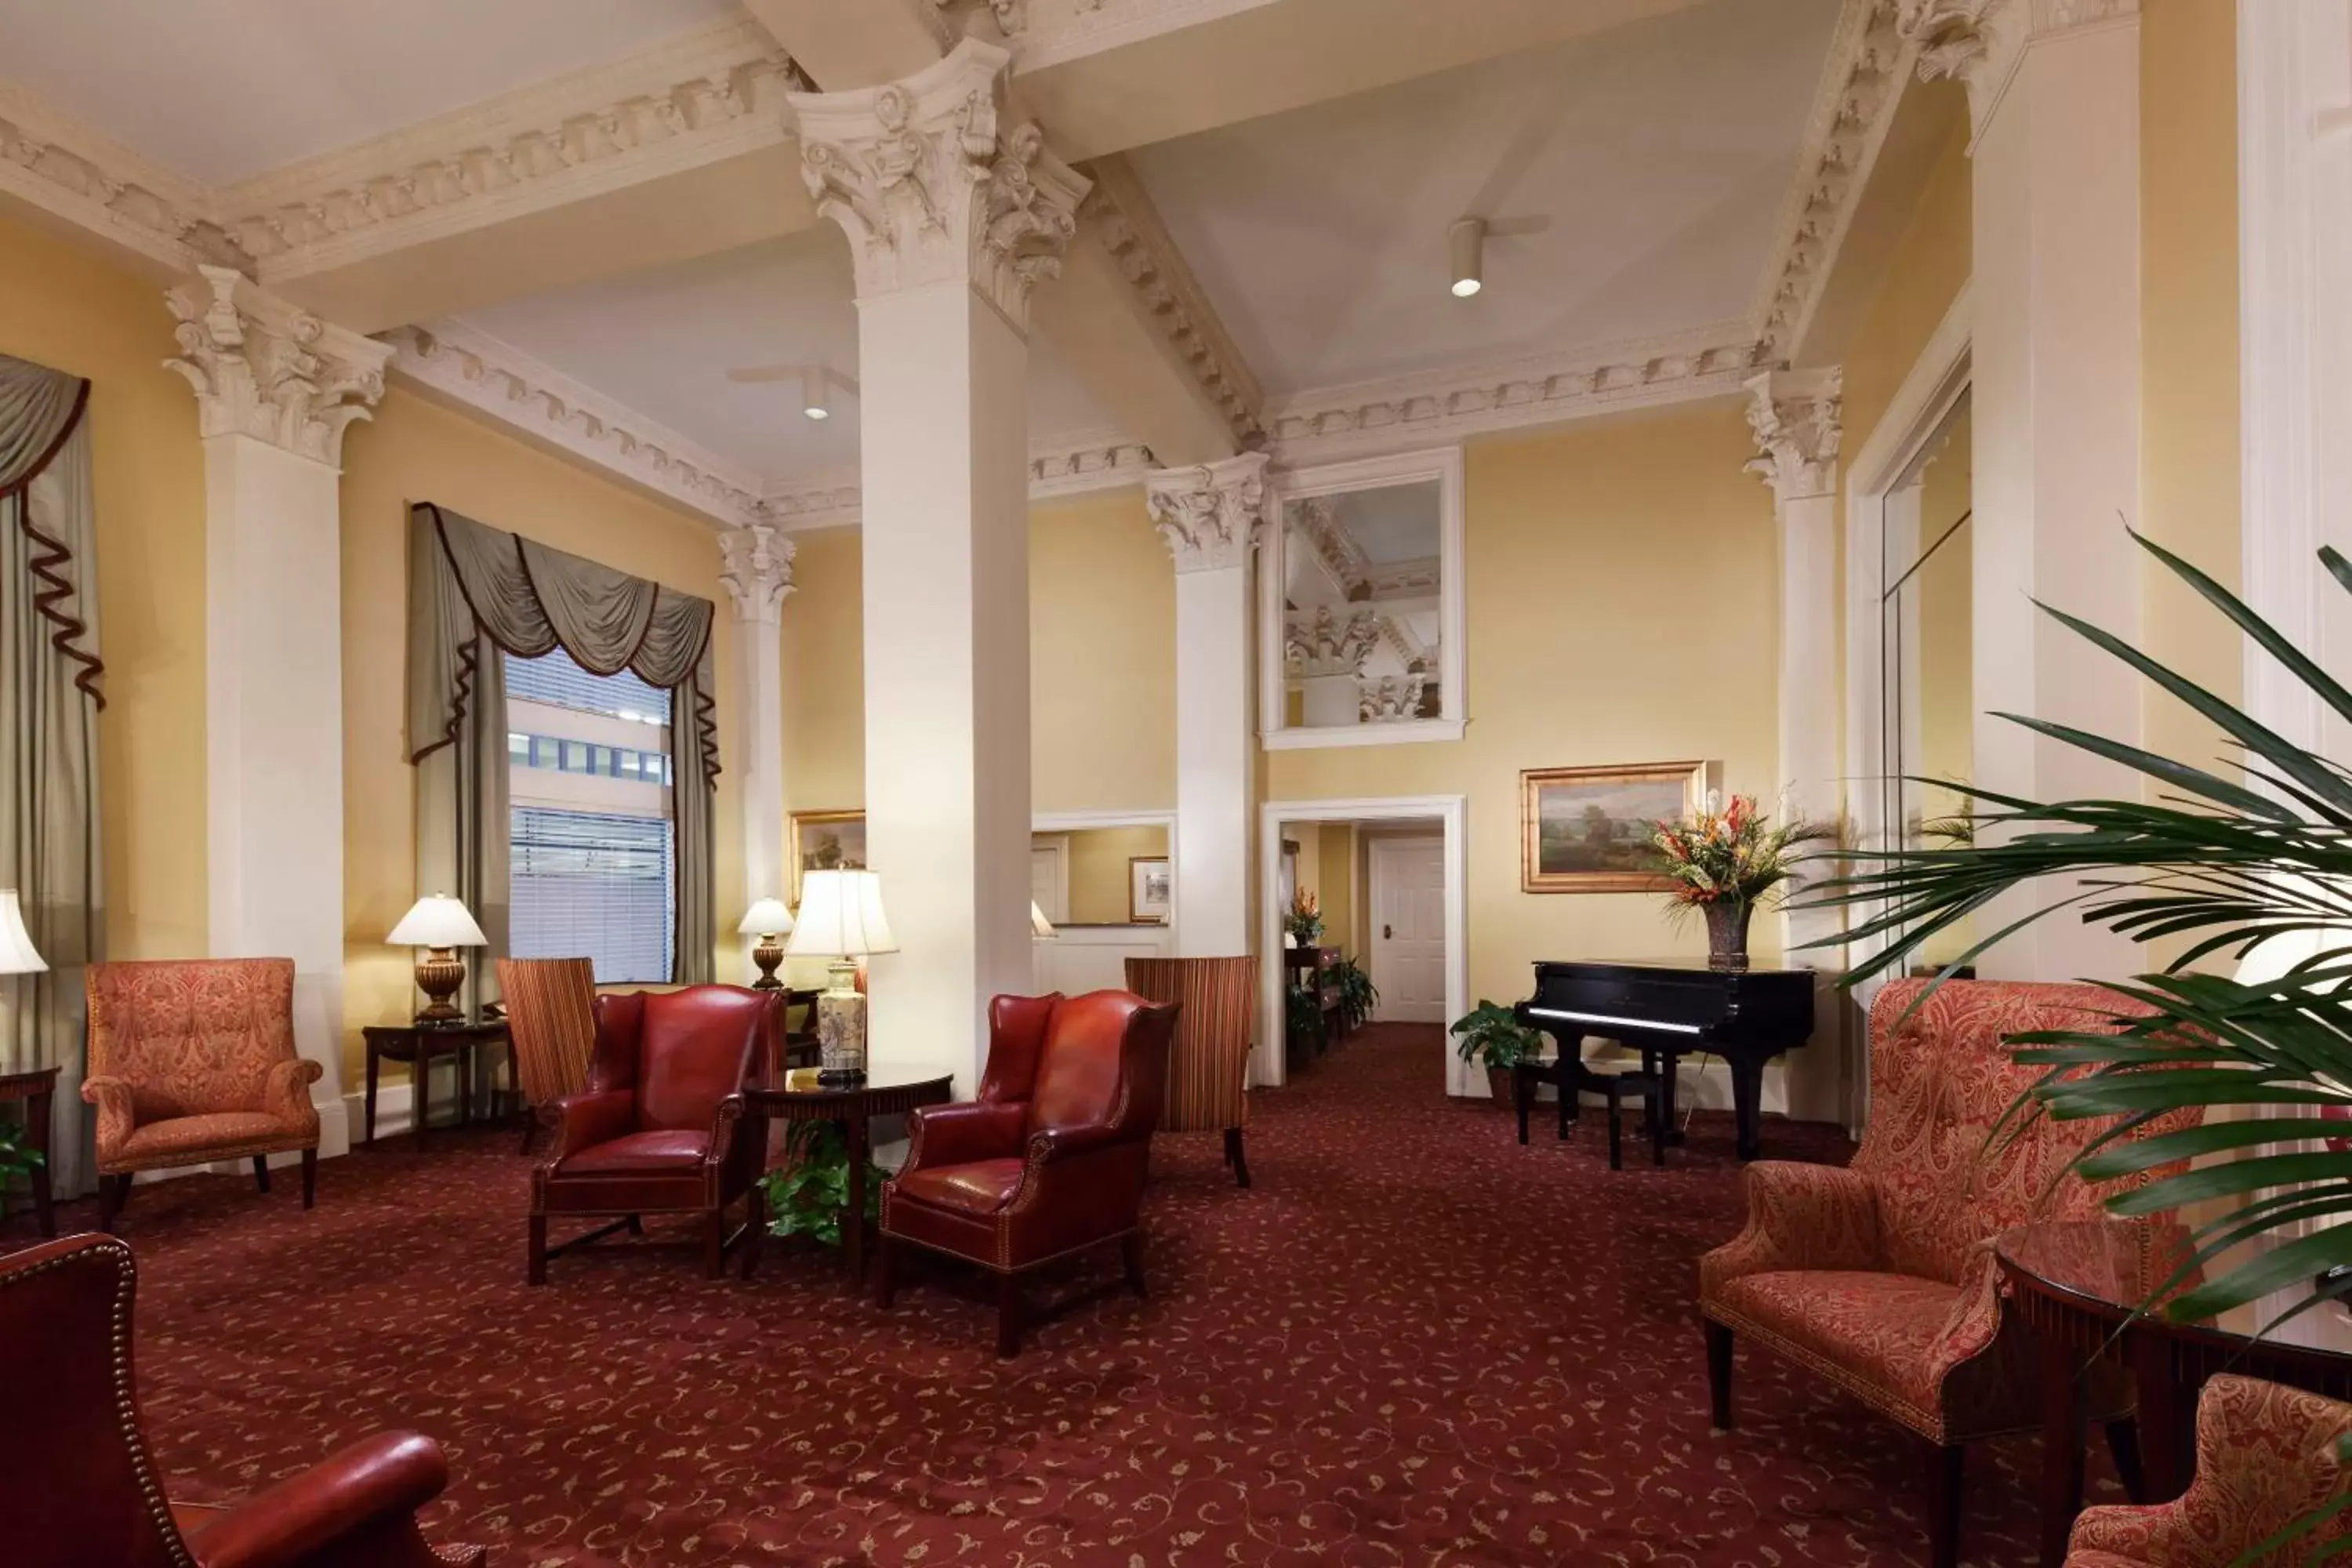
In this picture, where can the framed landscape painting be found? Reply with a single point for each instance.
(1149, 884)
(1587, 830)
(827, 841)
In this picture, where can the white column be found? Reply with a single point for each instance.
(758, 577)
(950, 224)
(1211, 517)
(1796, 418)
(2053, 97)
(275, 390)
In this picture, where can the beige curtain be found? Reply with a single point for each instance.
(476, 594)
(49, 699)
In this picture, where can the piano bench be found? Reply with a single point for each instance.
(1651, 1089)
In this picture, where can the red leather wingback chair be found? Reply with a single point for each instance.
(662, 1127)
(1050, 1159)
(77, 1486)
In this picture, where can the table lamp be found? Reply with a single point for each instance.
(1039, 926)
(439, 925)
(17, 953)
(769, 921)
(841, 919)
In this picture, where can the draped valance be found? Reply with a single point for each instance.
(40, 411)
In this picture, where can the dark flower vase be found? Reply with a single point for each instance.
(1727, 936)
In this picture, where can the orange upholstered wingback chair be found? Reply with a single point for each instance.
(1881, 1276)
(77, 1486)
(1050, 1159)
(2265, 1458)
(192, 1061)
(1208, 1060)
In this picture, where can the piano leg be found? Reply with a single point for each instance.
(1523, 1094)
(1747, 1101)
(1662, 1064)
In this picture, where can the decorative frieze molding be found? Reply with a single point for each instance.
(1854, 105)
(1095, 463)
(758, 571)
(1437, 408)
(1011, 16)
(916, 174)
(1323, 643)
(804, 508)
(1390, 700)
(66, 169)
(263, 368)
(1208, 515)
(1796, 418)
(1334, 549)
(503, 382)
(1979, 43)
(712, 94)
(1121, 213)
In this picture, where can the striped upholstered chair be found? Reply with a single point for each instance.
(551, 1027)
(1208, 1069)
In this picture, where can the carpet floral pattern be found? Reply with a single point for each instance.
(1414, 1342)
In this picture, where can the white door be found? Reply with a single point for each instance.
(1408, 887)
(1049, 882)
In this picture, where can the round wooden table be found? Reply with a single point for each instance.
(796, 1097)
(35, 1087)
(2076, 1283)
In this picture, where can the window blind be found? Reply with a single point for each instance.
(554, 679)
(595, 885)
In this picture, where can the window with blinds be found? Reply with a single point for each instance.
(591, 850)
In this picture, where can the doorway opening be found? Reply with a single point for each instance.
(1388, 877)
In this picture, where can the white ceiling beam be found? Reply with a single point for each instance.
(845, 44)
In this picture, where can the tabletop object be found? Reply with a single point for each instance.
(796, 1096)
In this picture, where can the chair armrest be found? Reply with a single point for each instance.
(1049, 1146)
(375, 1484)
(959, 1134)
(723, 1124)
(286, 1091)
(116, 1115)
(1798, 1217)
(583, 1121)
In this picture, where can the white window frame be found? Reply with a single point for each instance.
(1442, 464)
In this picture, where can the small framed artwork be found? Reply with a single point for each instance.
(1587, 830)
(1150, 882)
(827, 841)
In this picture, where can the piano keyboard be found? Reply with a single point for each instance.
(1605, 1020)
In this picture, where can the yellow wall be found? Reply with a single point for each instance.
(1099, 882)
(1336, 864)
(67, 307)
(418, 451)
(1667, 549)
(824, 674)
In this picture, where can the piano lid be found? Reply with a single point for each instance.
(1661, 965)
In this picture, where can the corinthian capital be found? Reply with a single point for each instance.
(758, 572)
(1979, 43)
(1795, 415)
(263, 368)
(1208, 515)
(918, 176)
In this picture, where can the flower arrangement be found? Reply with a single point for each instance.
(1725, 861)
(1303, 923)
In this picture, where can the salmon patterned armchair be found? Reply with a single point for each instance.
(192, 1061)
(2265, 1458)
(1880, 1276)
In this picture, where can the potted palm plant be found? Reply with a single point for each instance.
(1492, 1034)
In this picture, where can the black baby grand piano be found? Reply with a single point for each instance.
(1666, 1012)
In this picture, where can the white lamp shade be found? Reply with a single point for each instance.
(1038, 924)
(841, 917)
(18, 955)
(766, 918)
(437, 920)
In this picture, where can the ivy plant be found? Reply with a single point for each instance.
(808, 1193)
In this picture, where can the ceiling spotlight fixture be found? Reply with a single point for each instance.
(812, 403)
(1467, 240)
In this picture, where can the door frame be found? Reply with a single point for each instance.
(1058, 844)
(1450, 813)
(1372, 848)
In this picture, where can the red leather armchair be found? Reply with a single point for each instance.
(77, 1486)
(662, 1127)
(1050, 1159)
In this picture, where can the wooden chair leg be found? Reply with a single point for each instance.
(1944, 1506)
(538, 1275)
(112, 1190)
(2123, 1442)
(714, 1245)
(636, 1225)
(1236, 1157)
(1009, 1312)
(885, 1271)
(309, 1178)
(756, 1217)
(1131, 1251)
(261, 1172)
(1719, 1373)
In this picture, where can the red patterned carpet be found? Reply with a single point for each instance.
(1412, 1344)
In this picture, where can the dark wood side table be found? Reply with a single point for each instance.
(854, 1110)
(35, 1088)
(2076, 1284)
(418, 1045)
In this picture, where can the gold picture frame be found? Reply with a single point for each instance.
(827, 841)
(1586, 830)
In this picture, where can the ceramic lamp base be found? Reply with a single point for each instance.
(439, 973)
(841, 1031)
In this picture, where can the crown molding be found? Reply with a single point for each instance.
(501, 380)
(1085, 463)
(1056, 31)
(1433, 407)
(1870, 61)
(708, 95)
(69, 171)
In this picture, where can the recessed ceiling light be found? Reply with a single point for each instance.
(1466, 239)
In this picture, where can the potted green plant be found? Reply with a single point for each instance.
(18, 1157)
(808, 1191)
(1358, 995)
(1492, 1034)
(1726, 863)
